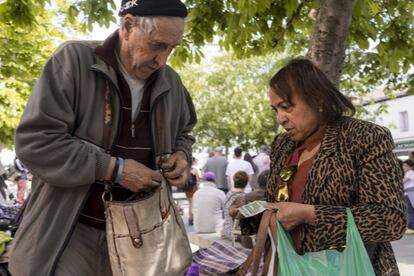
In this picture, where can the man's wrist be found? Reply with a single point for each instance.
(117, 172)
(110, 168)
(183, 155)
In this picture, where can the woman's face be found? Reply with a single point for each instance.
(298, 119)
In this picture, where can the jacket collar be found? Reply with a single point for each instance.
(107, 64)
(330, 140)
(328, 144)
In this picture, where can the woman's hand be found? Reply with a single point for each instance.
(291, 214)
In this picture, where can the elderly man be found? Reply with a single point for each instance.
(124, 83)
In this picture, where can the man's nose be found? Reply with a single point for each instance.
(161, 57)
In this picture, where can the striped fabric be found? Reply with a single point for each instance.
(221, 258)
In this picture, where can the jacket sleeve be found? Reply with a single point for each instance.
(379, 211)
(44, 140)
(185, 140)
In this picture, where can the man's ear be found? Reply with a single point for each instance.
(126, 26)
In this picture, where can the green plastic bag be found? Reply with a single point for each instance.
(352, 261)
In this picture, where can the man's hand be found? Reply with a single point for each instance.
(291, 214)
(176, 169)
(136, 177)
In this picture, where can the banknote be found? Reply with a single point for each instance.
(253, 208)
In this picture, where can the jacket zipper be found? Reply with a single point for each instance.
(154, 155)
(133, 130)
(69, 235)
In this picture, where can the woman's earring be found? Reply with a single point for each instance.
(320, 109)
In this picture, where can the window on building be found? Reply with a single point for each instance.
(403, 121)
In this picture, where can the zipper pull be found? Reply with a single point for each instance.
(133, 130)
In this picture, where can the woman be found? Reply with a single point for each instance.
(241, 179)
(408, 166)
(328, 161)
(21, 180)
(191, 187)
(253, 184)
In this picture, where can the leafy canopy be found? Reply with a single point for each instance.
(380, 49)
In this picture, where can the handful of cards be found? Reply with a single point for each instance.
(253, 208)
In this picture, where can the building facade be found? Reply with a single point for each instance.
(399, 118)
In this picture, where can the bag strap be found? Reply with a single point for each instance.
(268, 221)
(107, 120)
(133, 226)
(273, 231)
(107, 138)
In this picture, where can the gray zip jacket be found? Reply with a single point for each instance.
(60, 140)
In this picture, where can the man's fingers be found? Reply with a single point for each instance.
(178, 181)
(156, 176)
(175, 174)
(155, 183)
(179, 171)
(169, 164)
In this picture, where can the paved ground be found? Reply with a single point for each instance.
(404, 252)
(403, 249)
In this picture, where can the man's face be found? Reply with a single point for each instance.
(142, 54)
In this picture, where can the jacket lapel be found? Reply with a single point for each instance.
(315, 177)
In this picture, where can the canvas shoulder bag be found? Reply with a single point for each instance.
(145, 236)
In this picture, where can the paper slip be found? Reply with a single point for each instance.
(253, 208)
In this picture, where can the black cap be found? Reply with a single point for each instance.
(153, 8)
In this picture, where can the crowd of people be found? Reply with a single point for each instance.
(110, 121)
(16, 174)
(221, 184)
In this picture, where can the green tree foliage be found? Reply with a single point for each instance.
(23, 52)
(231, 100)
(29, 32)
(380, 42)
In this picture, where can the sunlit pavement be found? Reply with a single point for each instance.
(404, 252)
(403, 248)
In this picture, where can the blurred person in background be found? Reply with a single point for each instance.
(257, 194)
(191, 187)
(253, 183)
(208, 203)
(21, 179)
(3, 177)
(238, 164)
(262, 160)
(240, 180)
(408, 181)
(217, 164)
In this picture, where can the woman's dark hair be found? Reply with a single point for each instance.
(262, 179)
(240, 179)
(409, 162)
(247, 157)
(301, 77)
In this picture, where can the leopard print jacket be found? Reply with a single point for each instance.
(354, 168)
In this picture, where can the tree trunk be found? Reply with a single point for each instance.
(329, 37)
